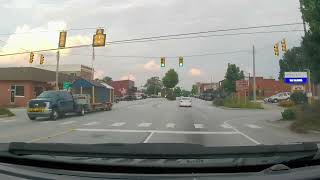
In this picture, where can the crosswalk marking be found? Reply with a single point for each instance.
(9, 120)
(170, 125)
(118, 124)
(198, 126)
(68, 122)
(253, 126)
(91, 123)
(144, 125)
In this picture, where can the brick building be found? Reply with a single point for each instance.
(268, 87)
(205, 87)
(123, 87)
(74, 70)
(20, 84)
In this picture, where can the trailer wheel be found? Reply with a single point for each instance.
(82, 111)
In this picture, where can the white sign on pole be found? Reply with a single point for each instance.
(296, 75)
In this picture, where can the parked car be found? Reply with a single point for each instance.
(278, 97)
(185, 102)
(55, 104)
(129, 98)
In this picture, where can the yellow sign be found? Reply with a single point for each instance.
(36, 110)
(99, 40)
(62, 39)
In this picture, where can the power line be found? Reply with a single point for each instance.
(45, 31)
(202, 36)
(212, 31)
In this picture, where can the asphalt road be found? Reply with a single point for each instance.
(156, 121)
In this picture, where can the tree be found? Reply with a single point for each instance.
(194, 90)
(232, 75)
(107, 79)
(292, 60)
(171, 79)
(177, 91)
(153, 85)
(185, 93)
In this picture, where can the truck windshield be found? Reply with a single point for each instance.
(48, 94)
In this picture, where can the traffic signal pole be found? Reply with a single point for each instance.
(57, 71)
(254, 75)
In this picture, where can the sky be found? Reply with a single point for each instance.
(35, 24)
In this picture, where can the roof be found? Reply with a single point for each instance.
(86, 83)
(107, 85)
(31, 74)
(65, 67)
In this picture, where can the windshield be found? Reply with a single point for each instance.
(48, 94)
(222, 73)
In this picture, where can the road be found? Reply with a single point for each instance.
(156, 121)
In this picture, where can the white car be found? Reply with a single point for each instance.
(278, 97)
(185, 102)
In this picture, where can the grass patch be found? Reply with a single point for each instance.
(242, 103)
(5, 111)
(307, 118)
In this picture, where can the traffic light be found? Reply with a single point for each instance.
(276, 49)
(284, 45)
(31, 57)
(180, 61)
(163, 62)
(41, 59)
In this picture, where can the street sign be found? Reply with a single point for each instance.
(297, 88)
(295, 77)
(66, 85)
(62, 39)
(242, 85)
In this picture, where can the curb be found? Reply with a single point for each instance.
(226, 108)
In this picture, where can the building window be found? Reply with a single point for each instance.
(19, 90)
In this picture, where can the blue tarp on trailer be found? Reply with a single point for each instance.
(101, 92)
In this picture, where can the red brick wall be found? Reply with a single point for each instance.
(19, 101)
(124, 84)
(268, 87)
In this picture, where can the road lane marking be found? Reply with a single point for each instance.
(239, 132)
(171, 125)
(198, 126)
(9, 120)
(118, 124)
(68, 122)
(148, 137)
(51, 136)
(158, 131)
(225, 126)
(90, 123)
(144, 125)
(253, 126)
(45, 122)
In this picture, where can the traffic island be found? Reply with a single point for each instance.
(236, 103)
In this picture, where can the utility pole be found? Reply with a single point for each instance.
(303, 20)
(254, 75)
(92, 61)
(57, 71)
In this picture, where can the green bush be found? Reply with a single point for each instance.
(288, 114)
(299, 98)
(288, 103)
(5, 111)
(218, 102)
(245, 104)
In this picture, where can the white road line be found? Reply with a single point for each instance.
(148, 137)
(198, 126)
(225, 126)
(239, 132)
(118, 124)
(45, 122)
(90, 123)
(9, 120)
(68, 122)
(253, 126)
(158, 131)
(144, 125)
(171, 125)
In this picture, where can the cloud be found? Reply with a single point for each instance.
(195, 72)
(130, 77)
(28, 39)
(151, 66)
